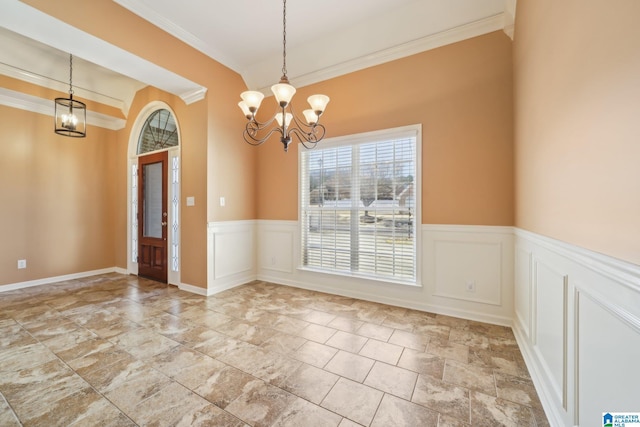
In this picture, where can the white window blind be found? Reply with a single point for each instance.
(358, 206)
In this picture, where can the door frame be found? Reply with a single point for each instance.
(174, 190)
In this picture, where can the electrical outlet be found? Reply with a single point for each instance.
(273, 260)
(471, 286)
(22, 263)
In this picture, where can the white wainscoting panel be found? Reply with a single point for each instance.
(523, 289)
(455, 256)
(231, 254)
(276, 244)
(463, 263)
(451, 256)
(582, 344)
(608, 357)
(549, 288)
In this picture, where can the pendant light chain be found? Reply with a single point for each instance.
(284, 38)
(71, 75)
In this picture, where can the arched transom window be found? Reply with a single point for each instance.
(159, 132)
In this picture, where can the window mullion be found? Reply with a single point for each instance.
(355, 205)
(305, 211)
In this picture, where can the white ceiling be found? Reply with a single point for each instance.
(322, 36)
(325, 39)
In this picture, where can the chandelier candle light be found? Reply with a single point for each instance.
(309, 132)
(70, 115)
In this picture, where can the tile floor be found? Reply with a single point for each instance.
(116, 350)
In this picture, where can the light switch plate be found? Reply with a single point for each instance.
(191, 201)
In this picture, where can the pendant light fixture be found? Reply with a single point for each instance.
(308, 131)
(70, 114)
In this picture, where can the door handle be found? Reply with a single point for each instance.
(163, 223)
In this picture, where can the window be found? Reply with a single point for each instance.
(359, 201)
(159, 132)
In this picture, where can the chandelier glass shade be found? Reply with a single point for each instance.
(70, 115)
(306, 130)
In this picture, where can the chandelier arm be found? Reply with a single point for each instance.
(300, 135)
(308, 139)
(319, 132)
(250, 134)
(302, 124)
(261, 125)
(313, 133)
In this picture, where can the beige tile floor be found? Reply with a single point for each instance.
(116, 350)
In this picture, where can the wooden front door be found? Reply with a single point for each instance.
(152, 216)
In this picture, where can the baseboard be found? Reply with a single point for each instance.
(537, 377)
(220, 288)
(56, 279)
(193, 289)
(430, 308)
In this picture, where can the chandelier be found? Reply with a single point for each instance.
(70, 115)
(308, 131)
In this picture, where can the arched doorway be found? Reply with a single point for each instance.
(153, 195)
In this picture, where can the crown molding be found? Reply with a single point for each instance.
(52, 84)
(454, 35)
(195, 95)
(11, 98)
(510, 17)
(501, 21)
(509, 30)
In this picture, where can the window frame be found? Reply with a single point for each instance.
(357, 139)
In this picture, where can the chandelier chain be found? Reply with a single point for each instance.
(284, 38)
(70, 74)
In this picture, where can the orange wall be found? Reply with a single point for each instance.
(216, 161)
(462, 96)
(577, 144)
(56, 195)
(232, 164)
